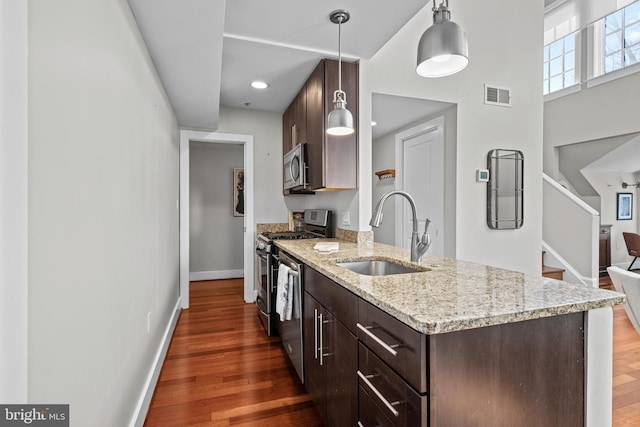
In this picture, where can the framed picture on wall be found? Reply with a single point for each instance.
(624, 206)
(238, 192)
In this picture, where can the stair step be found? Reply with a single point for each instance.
(552, 272)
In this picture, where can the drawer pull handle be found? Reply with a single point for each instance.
(315, 333)
(380, 396)
(321, 349)
(360, 424)
(378, 340)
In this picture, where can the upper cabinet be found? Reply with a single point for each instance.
(294, 122)
(331, 161)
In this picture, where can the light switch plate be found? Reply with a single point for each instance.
(482, 175)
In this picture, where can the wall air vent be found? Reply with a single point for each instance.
(497, 96)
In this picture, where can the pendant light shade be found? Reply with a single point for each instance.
(443, 48)
(340, 120)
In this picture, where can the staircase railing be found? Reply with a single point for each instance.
(570, 228)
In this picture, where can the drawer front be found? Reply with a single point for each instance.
(390, 393)
(369, 414)
(336, 299)
(403, 348)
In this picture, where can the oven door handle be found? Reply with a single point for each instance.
(294, 268)
(274, 283)
(259, 300)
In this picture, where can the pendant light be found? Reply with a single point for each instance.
(340, 120)
(443, 48)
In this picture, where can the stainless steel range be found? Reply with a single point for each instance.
(317, 224)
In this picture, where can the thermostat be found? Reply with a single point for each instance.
(482, 175)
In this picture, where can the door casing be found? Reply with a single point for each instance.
(249, 223)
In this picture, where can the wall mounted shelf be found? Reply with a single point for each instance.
(386, 174)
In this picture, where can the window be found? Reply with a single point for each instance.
(622, 38)
(559, 68)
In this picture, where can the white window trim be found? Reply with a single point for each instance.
(575, 88)
(613, 75)
(595, 58)
(577, 71)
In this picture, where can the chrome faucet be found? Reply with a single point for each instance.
(418, 246)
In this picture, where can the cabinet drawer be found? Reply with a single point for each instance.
(403, 348)
(336, 299)
(390, 393)
(369, 414)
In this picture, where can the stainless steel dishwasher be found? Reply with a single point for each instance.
(291, 330)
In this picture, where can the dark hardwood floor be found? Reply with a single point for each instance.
(222, 370)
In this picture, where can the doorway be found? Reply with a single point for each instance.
(420, 162)
(249, 224)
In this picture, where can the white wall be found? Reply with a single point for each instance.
(566, 215)
(266, 128)
(384, 157)
(103, 220)
(13, 201)
(573, 158)
(506, 55)
(606, 114)
(216, 236)
(604, 111)
(608, 184)
(270, 204)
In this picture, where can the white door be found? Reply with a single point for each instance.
(420, 157)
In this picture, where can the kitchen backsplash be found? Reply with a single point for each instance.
(273, 227)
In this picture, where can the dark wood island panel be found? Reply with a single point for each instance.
(527, 373)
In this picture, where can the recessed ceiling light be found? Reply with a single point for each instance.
(373, 123)
(259, 85)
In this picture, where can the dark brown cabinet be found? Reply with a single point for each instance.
(288, 129)
(330, 351)
(392, 396)
(392, 368)
(300, 116)
(332, 161)
(294, 122)
(364, 366)
(605, 248)
(459, 378)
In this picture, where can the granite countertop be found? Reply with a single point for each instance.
(455, 295)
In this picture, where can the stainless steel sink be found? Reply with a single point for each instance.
(380, 268)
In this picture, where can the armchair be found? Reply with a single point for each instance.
(632, 241)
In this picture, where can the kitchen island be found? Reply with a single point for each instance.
(493, 346)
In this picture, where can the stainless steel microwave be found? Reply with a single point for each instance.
(294, 170)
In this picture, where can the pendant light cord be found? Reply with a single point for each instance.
(340, 55)
(443, 2)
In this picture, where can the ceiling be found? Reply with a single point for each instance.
(207, 52)
(624, 159)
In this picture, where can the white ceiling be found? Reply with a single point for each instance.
(184, 39)
(624, 159)
(207, 52)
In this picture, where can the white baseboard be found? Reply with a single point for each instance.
(144, 401)
(215, 275)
